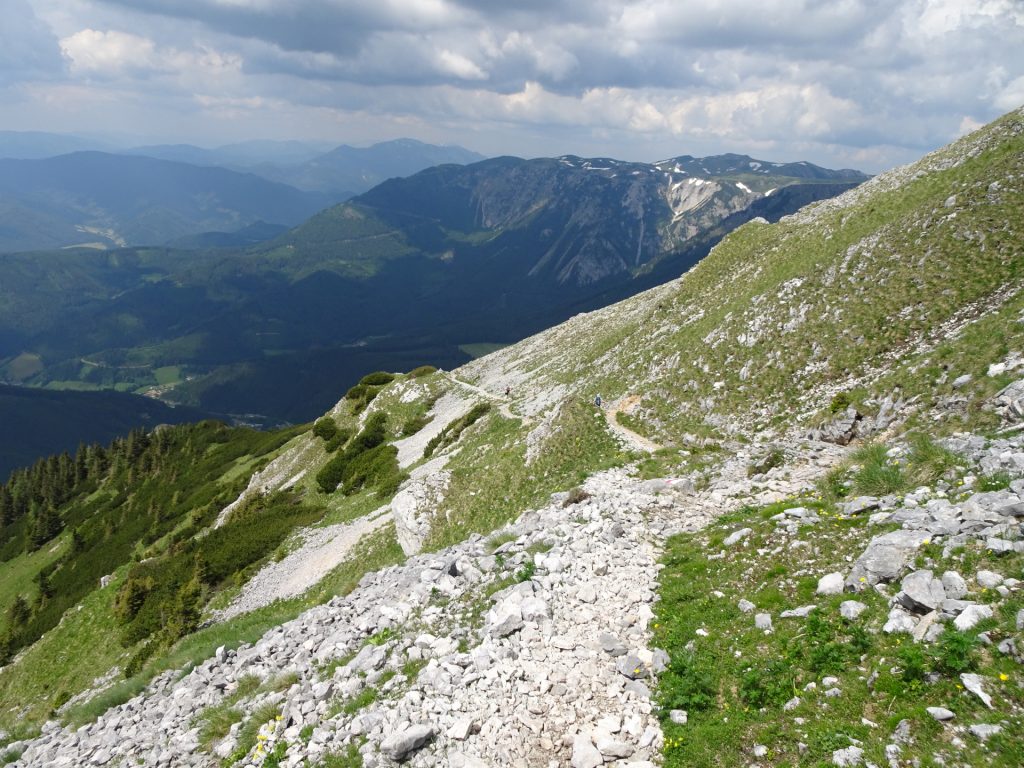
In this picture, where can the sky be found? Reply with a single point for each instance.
(866, 84)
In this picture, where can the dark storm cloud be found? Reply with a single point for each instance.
(325, 26)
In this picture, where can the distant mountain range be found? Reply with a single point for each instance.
(105, 200)
(342, 171)
(417, 270)
(182, 194)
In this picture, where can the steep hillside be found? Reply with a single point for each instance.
(788, 533)
(104, 200)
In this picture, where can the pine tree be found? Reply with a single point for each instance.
(46, 525)
(18, 614)
(6, 507)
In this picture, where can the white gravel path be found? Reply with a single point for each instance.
(628, 436)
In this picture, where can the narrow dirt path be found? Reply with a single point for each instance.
(634, 440)
(503, 402)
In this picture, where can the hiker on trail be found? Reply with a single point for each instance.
(508, 391)
(597, 401)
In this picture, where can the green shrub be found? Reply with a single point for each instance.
(340, 438)
(414, 424)
(833, 485)
(373, 468)
(767, 685)
(330, 474)
(929, 461)
(687, 684)
(913, 663)
(215, 722)
(247, 734)
(382, 637)
(273, 759)
(878, 475)
(956, 652)
(336, 471)
(526, 572)
(350, 758)
(423, 370)
(361, 700)
(377, 378)
(451, 433)
(840, 402)
(325, 428)
(178, 583)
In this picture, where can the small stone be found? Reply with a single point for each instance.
(587, 594)
(831, 584)
(611, 748)
(461, 729)
(677, 716)
(899, 621)
(799, 613)
(843, 758)
(902, 733)
(941, 713)
(971, 615)
(402, 743)
(984, 731)
(921, 592)
(632, 667)
(611, 644)
(638, 689)
(851, 609)
(792, 704)
(584, 753)
(737, 536)
(954, 584)
(763, 621)
(505, 618)
(962, 381)
(988, 579)
(973, 683)
(760, 750)
(745, 606)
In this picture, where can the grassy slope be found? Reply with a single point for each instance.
(735, 681)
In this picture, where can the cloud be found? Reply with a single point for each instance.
(28, 48)
(91, 51)
(848, 80)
